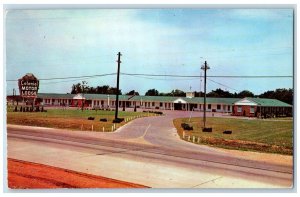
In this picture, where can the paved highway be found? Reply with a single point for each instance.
(149, 152)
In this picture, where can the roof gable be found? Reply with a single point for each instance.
(180, 100)
(245, 101)
(78, 96)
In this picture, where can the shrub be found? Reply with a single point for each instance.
(207, 129)
(91, 118)
(227, 132)
(103, 119)
(186, 126)
(118, 120)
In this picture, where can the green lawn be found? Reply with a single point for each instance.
(72, 119)
(248, 134)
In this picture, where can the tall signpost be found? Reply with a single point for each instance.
(117, 93)
(204, 67)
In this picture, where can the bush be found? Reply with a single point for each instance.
(118, 120)
(103, 119)
(207, 129)
(227, 132)
(186, 126)
(154, 112)
(91, 118)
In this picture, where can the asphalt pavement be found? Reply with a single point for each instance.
(148, 151)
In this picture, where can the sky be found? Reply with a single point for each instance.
(85, 42)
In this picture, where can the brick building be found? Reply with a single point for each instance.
(261, 107)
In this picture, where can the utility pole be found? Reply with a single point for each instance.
(14, 96)
(117, 94)
(82, 101)
(204, 67)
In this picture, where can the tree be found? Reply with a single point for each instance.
(220, 93)
(112, 90)
(102, 89)
(76, 88)
(282, 94)
(199, 94)
(245, 93)
(132, 92)
(80, 88)
(212, 94)
(152, 92)
(83, 88)
(178, 93)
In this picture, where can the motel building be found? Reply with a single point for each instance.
(249, 107)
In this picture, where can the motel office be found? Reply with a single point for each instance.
(250, 107)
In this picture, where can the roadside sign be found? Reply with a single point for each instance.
(28, 86)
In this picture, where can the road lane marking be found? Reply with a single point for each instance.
(145, 131)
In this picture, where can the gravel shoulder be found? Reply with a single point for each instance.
(28, 175)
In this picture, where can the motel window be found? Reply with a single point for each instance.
(218, 107)
(239, 109)
(209, 106)
(160, 104)
(153, 104)
(113, 103)
(252, 109)
(228, 108)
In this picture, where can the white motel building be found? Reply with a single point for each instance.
(236, 106)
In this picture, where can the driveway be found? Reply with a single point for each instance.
(148, 151)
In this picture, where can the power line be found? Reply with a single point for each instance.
(164, 75)
(163, 79)
(78, 77)
(211, 76)
(223, 85)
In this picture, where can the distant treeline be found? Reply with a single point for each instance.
(282, 94)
